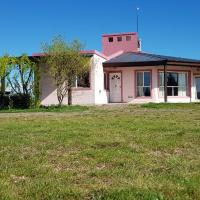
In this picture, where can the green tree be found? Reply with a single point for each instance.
(5, 64)
(65, 63)
(21, 75)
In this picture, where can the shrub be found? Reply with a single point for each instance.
(4, 101)
(20, 101)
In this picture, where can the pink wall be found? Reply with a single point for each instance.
(110, 48)
(129, 84)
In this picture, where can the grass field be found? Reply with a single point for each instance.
(127, 152)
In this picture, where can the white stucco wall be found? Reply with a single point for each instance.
(99, 92)
(80, 96)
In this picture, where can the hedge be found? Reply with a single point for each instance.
(15, 101)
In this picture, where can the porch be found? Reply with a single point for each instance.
(142, 78)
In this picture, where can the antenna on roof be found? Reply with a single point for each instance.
(137, 12)
(139, 39)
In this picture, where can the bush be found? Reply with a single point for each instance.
(20, 101)
(4, 101)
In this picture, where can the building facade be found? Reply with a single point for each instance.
(122, 73)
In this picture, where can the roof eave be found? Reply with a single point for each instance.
(187, 64)
(135, 64)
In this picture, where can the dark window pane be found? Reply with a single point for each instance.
(110, 39)
(198, 95)
(172, 79)
(147, 92)
(139, 78)
(198, 87)
(175, 91)
(169, 91)
(84, 81)
(147, 79)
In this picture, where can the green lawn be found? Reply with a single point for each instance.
(128, 152)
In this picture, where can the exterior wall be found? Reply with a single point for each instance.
(129, 84)
(100, 94)
(80, 96)
(110, 48)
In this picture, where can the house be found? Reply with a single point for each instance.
(122, 73)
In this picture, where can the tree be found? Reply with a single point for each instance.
(5, 63)
(21, 76)
(65, 63)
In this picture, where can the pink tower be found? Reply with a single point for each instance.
(126, 42)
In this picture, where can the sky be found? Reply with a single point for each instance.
(167, 27)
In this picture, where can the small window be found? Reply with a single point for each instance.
(110, 39)
(119, 39)
(128, 38)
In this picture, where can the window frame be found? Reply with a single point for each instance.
(76, 87)
(136, 86)
(188, 93)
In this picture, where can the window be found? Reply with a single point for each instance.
(128, 38)
(176, 83)
(110, 39)
(143, 84)
(83, 81)
(119, 39)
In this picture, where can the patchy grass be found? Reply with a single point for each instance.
(173, 106)
(47, 109)
(117, 152)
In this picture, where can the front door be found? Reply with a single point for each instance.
(197, 86)
(115, 83)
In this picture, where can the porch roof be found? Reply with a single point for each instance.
(130, 59)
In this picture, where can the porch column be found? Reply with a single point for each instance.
(165, 83)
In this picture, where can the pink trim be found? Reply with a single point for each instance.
(120, 34)
(135, 74)
(94, 52)
(82, 52)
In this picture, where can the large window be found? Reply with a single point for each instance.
(143, 84)
(176, 83)
(83, 81)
